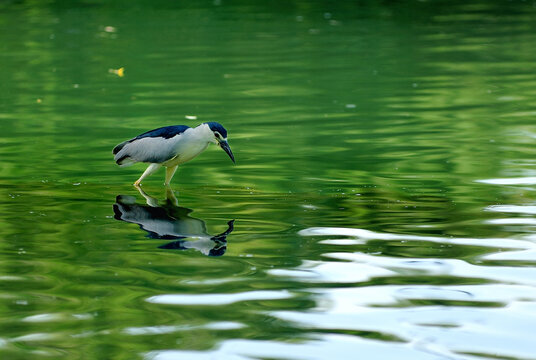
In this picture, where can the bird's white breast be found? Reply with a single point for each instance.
(187, 145)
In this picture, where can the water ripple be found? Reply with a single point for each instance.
(320, 348)
(456, 330)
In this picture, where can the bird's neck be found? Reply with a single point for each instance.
(203, 133)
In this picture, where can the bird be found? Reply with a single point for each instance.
(170, 146)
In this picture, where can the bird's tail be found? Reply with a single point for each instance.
(118, 147)
(120, 158)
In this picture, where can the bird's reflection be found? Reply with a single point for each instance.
(170, 221)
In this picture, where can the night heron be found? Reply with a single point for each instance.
(170, 146)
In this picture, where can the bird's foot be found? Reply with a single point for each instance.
(137, 183)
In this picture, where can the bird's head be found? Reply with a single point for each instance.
(220, 137)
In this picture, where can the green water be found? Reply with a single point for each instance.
(383, 197)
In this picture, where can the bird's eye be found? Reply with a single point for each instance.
(217, 135)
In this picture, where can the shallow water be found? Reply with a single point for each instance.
(383, 197)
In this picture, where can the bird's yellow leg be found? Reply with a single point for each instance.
(150, 169)
(170, 171)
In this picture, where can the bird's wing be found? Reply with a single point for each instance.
(155, 146)
(165, 132)
(149, 150)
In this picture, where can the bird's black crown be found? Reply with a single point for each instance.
(214, 126)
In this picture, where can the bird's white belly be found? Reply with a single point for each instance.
(186, 151)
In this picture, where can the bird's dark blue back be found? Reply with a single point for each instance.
(165, 132)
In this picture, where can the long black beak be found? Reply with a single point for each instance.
(225, 146)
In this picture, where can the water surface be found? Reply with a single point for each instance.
(383, 197)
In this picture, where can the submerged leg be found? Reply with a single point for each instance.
(150, 169)
(170, 171)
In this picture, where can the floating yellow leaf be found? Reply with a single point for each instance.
(119, 72)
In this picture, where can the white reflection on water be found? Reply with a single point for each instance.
(321, 271)
(372, 235)
(525, 255)
(167, 329)
(217, 299)
(520, 209)
(511, 221)
(510, 181)
(451, 267)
